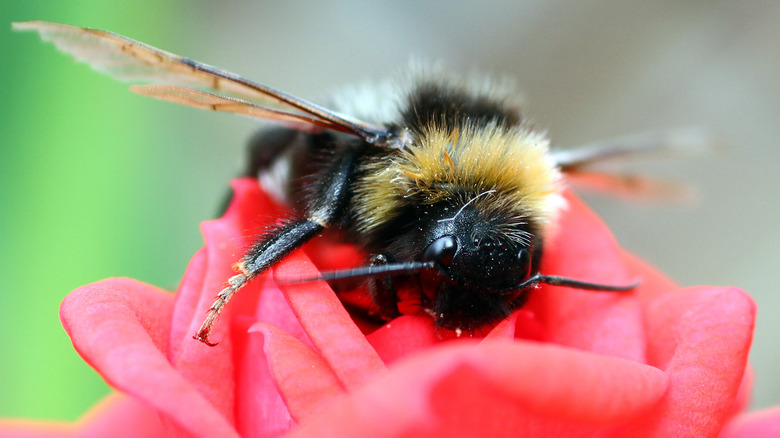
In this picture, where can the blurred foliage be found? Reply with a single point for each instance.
(85, 196)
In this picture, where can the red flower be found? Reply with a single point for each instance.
(659, 362)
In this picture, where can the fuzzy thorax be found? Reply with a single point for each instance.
(462, 165)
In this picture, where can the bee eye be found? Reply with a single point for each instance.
(441, 250)
(524, 261)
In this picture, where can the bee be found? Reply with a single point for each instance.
(445, 183)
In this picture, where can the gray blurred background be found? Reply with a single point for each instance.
(142, 174)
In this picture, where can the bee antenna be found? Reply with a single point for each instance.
(575, 284)
(364, 272)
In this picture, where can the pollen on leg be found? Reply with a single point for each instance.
(239, 266)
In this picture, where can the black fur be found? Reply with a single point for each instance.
(433, 103)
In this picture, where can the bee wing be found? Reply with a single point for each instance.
(690, 140)
(575, 163)
(632, 187)
(215, 102)
(134, 61)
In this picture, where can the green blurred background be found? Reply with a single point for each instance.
(98, 182)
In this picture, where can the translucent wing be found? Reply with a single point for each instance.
(690, 140)
(576, 164)
(134, 61)
(215, 102)
(631, 187)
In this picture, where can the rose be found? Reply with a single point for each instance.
(658, 362)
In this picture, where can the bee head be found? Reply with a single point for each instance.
(475, 251)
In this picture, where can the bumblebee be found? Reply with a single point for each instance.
(443, 181)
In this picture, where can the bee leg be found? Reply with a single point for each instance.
(326, 207)
(382, 291)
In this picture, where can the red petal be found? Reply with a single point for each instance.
(504, 330)
(187, 355)
(260, 410)
(602, 322)
(120, 327)
(742, 400)
(327, 323)
(493, 389)
(304, 380)
(329, 253)
(764, 423)
(522, 324)
(653, 283)
(116, 416)
(700, 337)
(121, 416)
(226, 240)
(404, 335)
